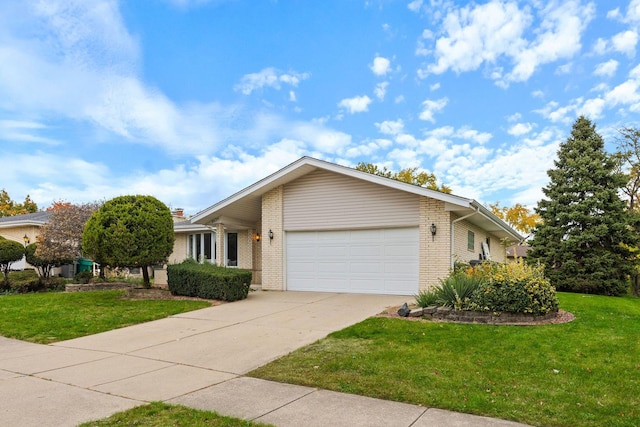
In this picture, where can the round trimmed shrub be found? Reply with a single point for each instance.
(515, 288)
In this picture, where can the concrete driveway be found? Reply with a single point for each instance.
(92, 377)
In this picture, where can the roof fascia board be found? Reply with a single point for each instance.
(497, 221)
(9, 224)
(264, 185)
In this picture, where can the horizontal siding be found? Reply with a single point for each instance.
(323, 200)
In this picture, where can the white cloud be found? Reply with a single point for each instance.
(391, 127)
(357, 104)
(486, 33)
(520, 129)
(600, 47)
(607, 69)
(633, 12)
(381, 66)
(625, 42)
(432, 106)
(415, 5)
(473, 135)
(381, 90)
(269, 77)
(624, 95)
(614, 14)
(434, 87)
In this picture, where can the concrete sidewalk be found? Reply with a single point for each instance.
(198, 359)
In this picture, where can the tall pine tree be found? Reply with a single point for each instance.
(585, 230)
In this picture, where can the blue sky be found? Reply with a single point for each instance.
(192, 100)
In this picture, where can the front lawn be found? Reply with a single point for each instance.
(50, 317)
(586, 372)
(161, 414)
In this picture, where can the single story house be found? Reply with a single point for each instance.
(23, 229)
(319, 226)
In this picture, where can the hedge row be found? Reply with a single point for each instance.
(208, 281)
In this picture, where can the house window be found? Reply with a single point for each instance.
(202, 247)
(471, 240)
(232, 249)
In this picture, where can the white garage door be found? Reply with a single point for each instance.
(357, 261)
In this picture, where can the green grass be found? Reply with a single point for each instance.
(159, 414)
(586, 372)
(50, 317)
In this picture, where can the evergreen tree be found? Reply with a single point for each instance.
(585, 234)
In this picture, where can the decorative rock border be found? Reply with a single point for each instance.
(108, 286)
(462, 316)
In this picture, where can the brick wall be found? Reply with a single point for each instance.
(179, 253)
(245, 249)
(434, 250)
(272, 250)
(462, 254)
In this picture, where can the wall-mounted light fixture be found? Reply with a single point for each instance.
(270, 234)
(26, 240)
(433, 232)
(257, 237)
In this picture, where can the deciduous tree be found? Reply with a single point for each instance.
(517, 216)
(43, 266)
(409, 175)
(10, 208)
(628, 162)
(59, 241)
(585, 234)
(130, 231)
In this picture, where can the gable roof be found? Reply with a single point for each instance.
(30, 219)
(245, 206)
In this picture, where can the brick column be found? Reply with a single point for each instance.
(435, 251)
(220, 245)
(272, 249)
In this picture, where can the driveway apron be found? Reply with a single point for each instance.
(92, 377)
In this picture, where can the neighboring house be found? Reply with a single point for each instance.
(517, 251)
(318, 226)
(18, 227)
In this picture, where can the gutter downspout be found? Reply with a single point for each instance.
(453, 232)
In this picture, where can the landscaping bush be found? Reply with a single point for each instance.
(494, 287)
(28, 280)
(208, 281)
(83, 277)
(457, 290)
(427, 297)
(514, 288)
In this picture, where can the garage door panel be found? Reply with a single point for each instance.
(333, 251)
(332, 267)
(357, 261)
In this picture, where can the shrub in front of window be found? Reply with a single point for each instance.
(515, 288)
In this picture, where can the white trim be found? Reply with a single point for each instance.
(286, 174)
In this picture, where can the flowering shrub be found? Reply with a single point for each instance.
(514, 288)
(494, 287)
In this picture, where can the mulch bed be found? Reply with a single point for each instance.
(561, 317)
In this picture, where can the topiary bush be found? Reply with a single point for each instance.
(514, 288)
(209, 281)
